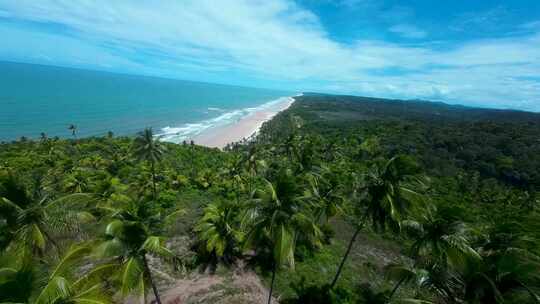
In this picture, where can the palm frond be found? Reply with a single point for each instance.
(7, 272)
(155, 245)
(72, 200)
(402, 273)
(74, 254)
(133, 277)
(84, 217)
(90, 301)
(412, 227)
(284, 246)
(173, 217)
(9, 205)
(115, 228)
(109, 248)
(31, 235)
(96, 275)
(460, 251)
(56, 288)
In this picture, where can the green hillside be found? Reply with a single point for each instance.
(339, 199)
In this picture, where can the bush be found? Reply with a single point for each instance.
(314, 294)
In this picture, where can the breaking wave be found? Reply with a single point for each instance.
(190, 130)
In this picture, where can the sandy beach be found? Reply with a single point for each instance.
(244, 128)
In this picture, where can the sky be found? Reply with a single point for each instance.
(473, 52)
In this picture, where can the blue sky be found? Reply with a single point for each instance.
(473, 52)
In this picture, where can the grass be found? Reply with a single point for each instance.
(370, 254)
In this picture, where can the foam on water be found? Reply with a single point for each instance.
(190, 130)
(35, 99)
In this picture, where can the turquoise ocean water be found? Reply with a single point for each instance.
(36, 98)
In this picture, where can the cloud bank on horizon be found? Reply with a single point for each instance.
(468, 52)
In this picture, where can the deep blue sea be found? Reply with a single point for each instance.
(36, 98)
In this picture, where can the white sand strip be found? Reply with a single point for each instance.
(244, 128)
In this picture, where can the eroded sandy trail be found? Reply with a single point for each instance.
(240, 287)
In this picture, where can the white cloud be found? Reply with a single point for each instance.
(408, 31)
(279, 42)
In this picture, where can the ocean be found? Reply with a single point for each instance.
(37, 98)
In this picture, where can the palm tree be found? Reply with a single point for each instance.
(290, 146)
(440, 240)
(305, 151)
(219, 230)
(77, 182)
(149, 149)
(507, 269)
(439, 235)
(434, 277)
(32, 218)
(276, 218)
(128, 242)
(386, 198)
(234, 174)
(252, 164)
(331, 150)
(192, 159)
(20, 278)
(499, 269)
(323, 192)
(129, 238)
(492, 279)
(45, 142)
(73, 129)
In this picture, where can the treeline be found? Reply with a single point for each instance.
(90, 220)
(499, 144)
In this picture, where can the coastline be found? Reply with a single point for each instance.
(244, 128)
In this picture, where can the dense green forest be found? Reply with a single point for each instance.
(339, 199)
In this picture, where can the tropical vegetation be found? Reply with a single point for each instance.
(338, 199)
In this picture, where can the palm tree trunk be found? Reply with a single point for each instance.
(395, 289)
(154, 191)
(154, 289)
(402, 280)
(340, 268)
(272, 284)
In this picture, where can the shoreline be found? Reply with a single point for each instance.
(242, 129)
